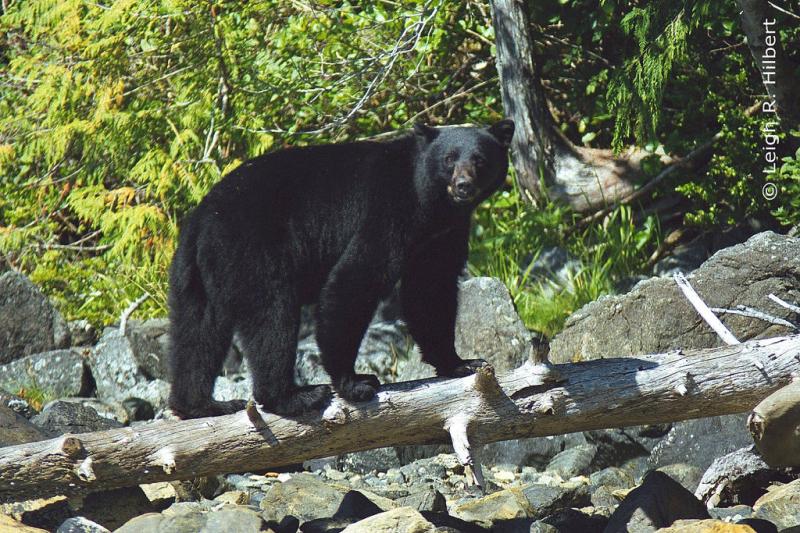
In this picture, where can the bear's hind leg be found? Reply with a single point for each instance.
(269, 342)
(199, 344)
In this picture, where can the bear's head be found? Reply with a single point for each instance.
(467, 163)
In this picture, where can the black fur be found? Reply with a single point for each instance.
(338, 225)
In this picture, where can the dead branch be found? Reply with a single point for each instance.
(533, 400)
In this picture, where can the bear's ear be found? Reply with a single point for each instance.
(426, 132)
(503, 131)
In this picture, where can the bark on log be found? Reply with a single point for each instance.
(526, 402)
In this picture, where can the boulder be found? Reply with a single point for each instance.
(706, 526)
(59, 372)
(530, 501)
(657, 502)
(150, 339)
(400, 520)
(79, 524)
(488, 327)
(231, 519)
(115, 365)
(573, 461)
(736, 478)
(384, 348)
(656, 317)
(81, 333)
(16, 429)
(780, 505)
(428, 499)
(303, 496)
(59, 417)
(700, 441)
(28, 321)
(569, 520)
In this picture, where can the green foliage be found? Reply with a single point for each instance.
(116, 118)
(787, 179)
(509, 235)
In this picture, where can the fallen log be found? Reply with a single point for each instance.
(533, 400)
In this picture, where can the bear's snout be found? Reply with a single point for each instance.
(462, 188)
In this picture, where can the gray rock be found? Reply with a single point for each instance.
(400, 520)
(781, 505)
(28, 321)
(385, 344)
(183, 523)
(546, 499)
(376, 460)
(488, 327)
(233, 387)
(535, 452)
(656, 503)
(739, 477)
(303, 496)
(155, 392)
(146, 523)
(431, 469)
(700, 441)
(656, 317)
(573, 461)
(80, 524)
(731, 514)
(150, 339)
(618, 446)
(59, 417)
(233, 520)
(81, 333)
(685, 474)
(105, 408)
(569, 520)
(358, 505)
(611, 477)
(530, 501)
(428, 499)
(16, 429)
(59, 372)
(115, 367)
(605, 497)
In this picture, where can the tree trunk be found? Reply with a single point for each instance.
(585, 178)
(533, 400)
(761, 31)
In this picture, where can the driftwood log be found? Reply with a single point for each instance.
(533, 400)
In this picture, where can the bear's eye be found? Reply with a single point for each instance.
(450, 160)
(478, 161)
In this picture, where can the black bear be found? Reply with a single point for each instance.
(338, 225)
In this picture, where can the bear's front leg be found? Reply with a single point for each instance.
(346, 305)
(429, 296)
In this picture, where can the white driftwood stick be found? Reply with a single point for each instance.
(784, 303)
(597, 394)
(126, 314)
(701, 307)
